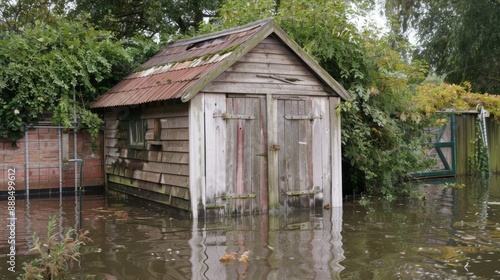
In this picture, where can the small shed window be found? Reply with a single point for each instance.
(136, 129)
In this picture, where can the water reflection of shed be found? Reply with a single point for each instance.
(237, 121)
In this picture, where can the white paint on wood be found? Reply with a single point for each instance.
(197, 153)
(336, 153)
(215, 129)
(321, 149)
(272, 152)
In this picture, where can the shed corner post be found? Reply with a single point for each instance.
(272, 160)
(336, 142)
(197, 154)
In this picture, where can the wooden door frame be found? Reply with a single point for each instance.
(198, 154)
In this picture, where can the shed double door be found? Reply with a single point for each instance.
(237, 150)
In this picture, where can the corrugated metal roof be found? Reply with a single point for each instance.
(173, 69)
(183, 68)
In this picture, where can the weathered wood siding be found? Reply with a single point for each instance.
(493, 129)
(270, 135)
(466, 136)
(269, 68)
(467, 129)
(160, 170)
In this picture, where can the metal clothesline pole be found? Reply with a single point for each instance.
(80, 187)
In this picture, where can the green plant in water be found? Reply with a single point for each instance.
(56, 253)
(478, 162)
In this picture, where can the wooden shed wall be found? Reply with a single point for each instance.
(270, 73)
(159, 171)
(250, 75)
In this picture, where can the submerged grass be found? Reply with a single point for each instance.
(57, 253)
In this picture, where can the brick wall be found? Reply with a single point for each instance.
(36, 160)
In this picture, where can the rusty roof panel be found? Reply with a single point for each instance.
(180, 52)
(139, 90)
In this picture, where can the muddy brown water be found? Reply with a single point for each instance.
(454, 233)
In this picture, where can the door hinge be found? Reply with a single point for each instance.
(238, 196)
(302, 117)
(236, 117)
(314, 191)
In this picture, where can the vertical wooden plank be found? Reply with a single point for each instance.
(304, 157)
(231, 153)
(321, 175)
(239, 149)
(301, 145)
(156, 129)
(290, 155)
(280, 138)
(259, 183)
(493, 132)
(196, 154)
(215, 133)
(466, 134)
(308, 137)
(272, 158)
(248, 108)
(336, 142)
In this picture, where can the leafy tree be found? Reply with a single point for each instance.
(165, 17)
(380, 127)
(15, 15)
(459, 38)
(50, 53)
(43, 66)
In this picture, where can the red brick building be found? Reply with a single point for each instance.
(41, 161)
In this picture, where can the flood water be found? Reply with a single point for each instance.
(454, 233)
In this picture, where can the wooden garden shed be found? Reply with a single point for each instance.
(239, 121)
